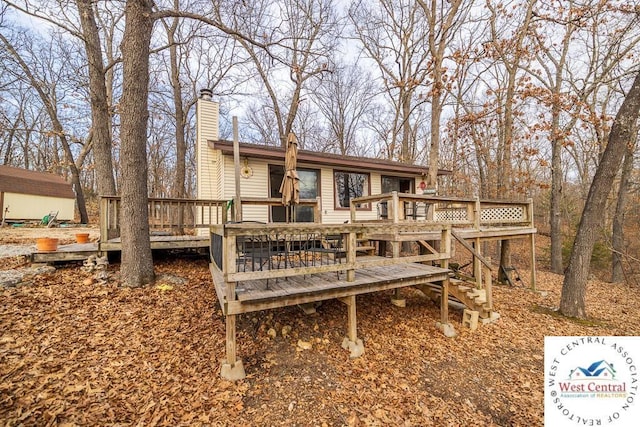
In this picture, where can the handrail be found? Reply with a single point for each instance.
(166, 214)
(301, 241)
(456, 211)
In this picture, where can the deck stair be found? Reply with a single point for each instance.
(462, 292)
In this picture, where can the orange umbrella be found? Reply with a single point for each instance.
(290, 187)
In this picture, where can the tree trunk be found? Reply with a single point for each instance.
(556, 193)
(617, 238)
(100, 117)
(137, 263)
(572, 302)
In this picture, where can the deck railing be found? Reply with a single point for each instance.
(173, 216)
(183, 216)
(250, 251)
(459, 212)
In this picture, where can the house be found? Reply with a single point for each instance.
(334, 178)
(30, 195)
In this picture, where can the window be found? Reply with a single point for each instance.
(309, 189)
(394, 183)
(349, 185)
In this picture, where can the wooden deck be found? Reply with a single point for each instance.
(82, 251)
(261, 294)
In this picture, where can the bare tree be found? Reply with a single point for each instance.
(572, 302)
(301, 35)
(137, 263)
(395, 36)
(343, 98)
(47, 93)
(443, 19)
(617, 235)
(100, 99)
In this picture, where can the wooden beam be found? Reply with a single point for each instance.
(236, 165)
(352, 323)
(444, 302)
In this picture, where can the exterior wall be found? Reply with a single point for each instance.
(208, 171)
(31, 207)
(255, 186)
(207, 160)
(332, 216)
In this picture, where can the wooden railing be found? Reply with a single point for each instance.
(174, 216)
(284, 250)
(183, 216)
(459, 212)
(275, 201)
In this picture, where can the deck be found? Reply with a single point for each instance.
(261, 294)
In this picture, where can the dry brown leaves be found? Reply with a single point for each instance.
(76, 353)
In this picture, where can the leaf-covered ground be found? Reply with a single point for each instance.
(80, 353)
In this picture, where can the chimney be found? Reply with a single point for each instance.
(206, 94)
(206, 130)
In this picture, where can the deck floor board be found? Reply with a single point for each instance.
(365, 278)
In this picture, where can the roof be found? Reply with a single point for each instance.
(24, 181)
(325, 159)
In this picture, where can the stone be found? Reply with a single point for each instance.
(492, 318)
(233, 372)
(448, 329)
(272, 333)
(470, 319)
(399, 302)
(285, 331)
(355, 348)
(304, 345)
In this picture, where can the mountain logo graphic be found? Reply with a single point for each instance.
(597, 370)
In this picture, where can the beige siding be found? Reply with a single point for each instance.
(207, 160)
(27, 206)
(332, 216)
(207, 129)
(255, 186)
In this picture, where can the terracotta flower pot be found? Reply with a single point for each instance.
(82, 237)
(46, 244)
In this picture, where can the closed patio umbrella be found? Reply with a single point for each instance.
(290, 187)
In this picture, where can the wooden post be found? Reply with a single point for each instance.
(488, 287)
(352, 326)
(351, 255)
(232, 368)
(477, 266)
(532, 245)
(394, 209)
(104, 221)
(351, 341)
(444, 303)
(236, 165)
(352, 212)
(317, 211)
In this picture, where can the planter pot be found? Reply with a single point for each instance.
(46, 244)
(82, 237)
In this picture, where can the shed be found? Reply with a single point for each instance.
(30, 195)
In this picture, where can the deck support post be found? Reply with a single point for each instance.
(351, 341)
(477, 266)
(397, 300)
(351, 256)
(444, 325)
(444, 302)
(532, 243)
(232, 368)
